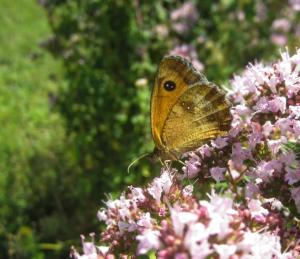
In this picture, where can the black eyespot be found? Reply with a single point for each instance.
(169, 85)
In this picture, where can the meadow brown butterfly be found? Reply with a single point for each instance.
(186, 109)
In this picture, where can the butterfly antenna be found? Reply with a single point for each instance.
(181, 162)
(134, 161)
(161, 162)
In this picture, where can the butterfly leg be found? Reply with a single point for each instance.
(166, 164)
(176, 157)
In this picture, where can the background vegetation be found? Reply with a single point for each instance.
(75, 82)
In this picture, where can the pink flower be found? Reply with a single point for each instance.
(296, 128)
(255, 138)
(111, 204)
(277, 164)
(184, 17)
(101, 215)
(225, 251)
(220, 212)
(279, 39)
(187, 10)
(242, 110)
(294, 111)
(89, 248)
(277, 104)
(260, 245)
(181, 256)
(256, 210)
(90, 251)
(288, 159)
(273, 82)
(219, 142)
(287, 74)
(160, 185)
(218, 173)
(275, 145)
(239, 154)
(155, 191)
(284, 124)
(192, 166)
(238, 89)
(293, 175)
(282, 24)
(126, 226)
(236, 127)
(221, 205)
(262, 105)
(124, 213)
(180, 27)
(296, 196)
(147, 241)
(166, 181)
(137, 194)
(295, 4)
(145, 220)
(265, 170)
(256, 76)
(205, 151)
(252, 190)
(181, 219)
(191, 169)
(267, 128)
(196, 241)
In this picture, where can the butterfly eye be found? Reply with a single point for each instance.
(169, 85)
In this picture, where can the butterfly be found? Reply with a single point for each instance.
(186, 109)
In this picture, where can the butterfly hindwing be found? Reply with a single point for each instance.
(200, 113)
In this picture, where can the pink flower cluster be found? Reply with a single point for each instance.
(184, 17)
(165, 218)
(253, 170)
(286, 24)
(267, 110)
(265, 120)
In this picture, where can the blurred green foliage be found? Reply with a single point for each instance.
(39, 205)
(72, 122)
